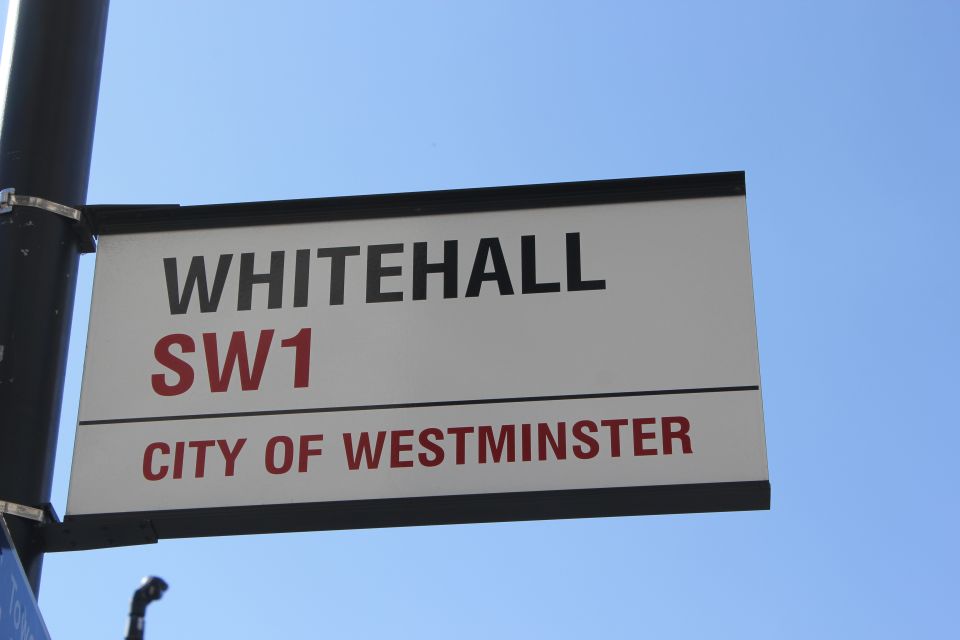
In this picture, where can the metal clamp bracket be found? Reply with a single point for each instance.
(14, 509)
(9, 199)
(88, 241)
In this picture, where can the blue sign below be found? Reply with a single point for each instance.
(20, 617)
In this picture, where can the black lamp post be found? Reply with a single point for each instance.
(151, 589)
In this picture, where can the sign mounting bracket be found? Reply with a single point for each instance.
(10, 199)
(22, 511)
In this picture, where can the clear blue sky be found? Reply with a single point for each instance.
(844, 116)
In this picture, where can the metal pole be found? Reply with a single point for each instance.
(50, 81)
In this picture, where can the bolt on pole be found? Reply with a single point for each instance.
(49, 85)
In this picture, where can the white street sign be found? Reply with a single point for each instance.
(551, 348)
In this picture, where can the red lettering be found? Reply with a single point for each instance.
(201, 447)
(592, 448)
(639, 435)
(525, 442)
(460, 433)
(148, 454)
(270, 456)
(236, 354)
(183, 370)
(614, 426)
(306, 451)
(178, 460)
(396, 448)
(301, 368)
(683, 434)
(558, 444)
(506, 440)
(363, 450)
(230, 456)
(434, 448)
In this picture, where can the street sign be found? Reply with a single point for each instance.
(20, 617)
(489, 354)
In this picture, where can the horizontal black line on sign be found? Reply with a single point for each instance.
(419, 405)
(97, 531)
(134, 218)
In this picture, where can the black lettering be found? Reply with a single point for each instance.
(574, 277)
(338, 258)
(273, 279)
(301, 278)
(479, 275)
(421, 268)
(528, 263)
(376, 272)
(196, 276)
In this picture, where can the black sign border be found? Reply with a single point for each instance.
(122, 529)
(115, 219)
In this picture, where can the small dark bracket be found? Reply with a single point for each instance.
(81, 536)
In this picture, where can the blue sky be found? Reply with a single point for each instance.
(844, 116)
